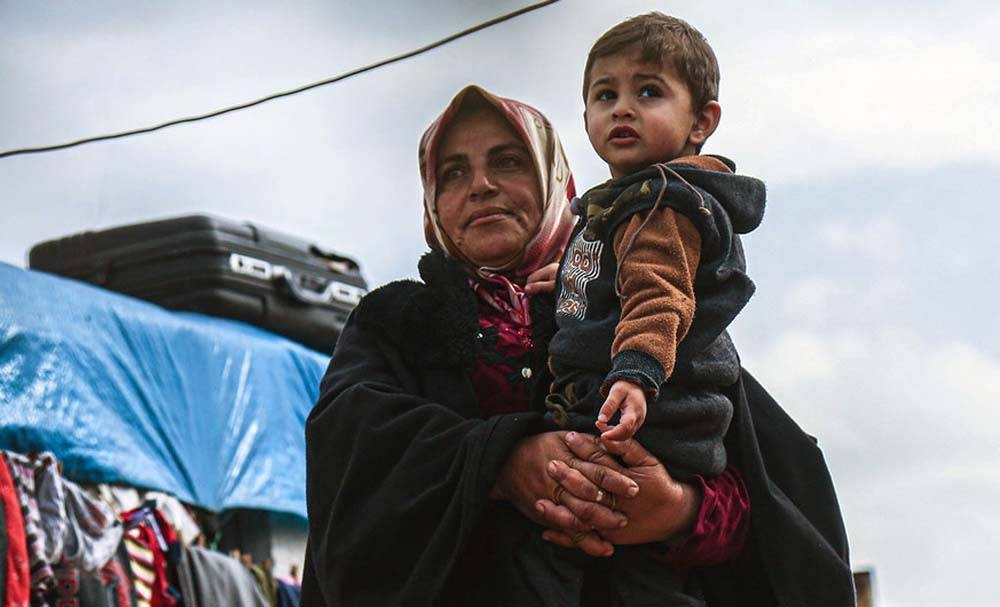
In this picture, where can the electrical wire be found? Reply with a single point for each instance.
(288, 93)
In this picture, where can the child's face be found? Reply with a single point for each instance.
(639, 113)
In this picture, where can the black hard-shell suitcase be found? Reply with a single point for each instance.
(220, 267)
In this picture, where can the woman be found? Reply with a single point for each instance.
(422, 448)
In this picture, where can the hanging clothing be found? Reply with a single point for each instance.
(92, 533)
(3, 540)
(16, 584)
(22, 471)
(209, 578)
(112, 586)
(68, 522)
(123, 499)
(148, 540)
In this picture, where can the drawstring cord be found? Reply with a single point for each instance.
(702, 208)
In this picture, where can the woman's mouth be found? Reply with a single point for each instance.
(622, 135)
(483, 216)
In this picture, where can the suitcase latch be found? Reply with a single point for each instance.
(250, 266)
(307, 289)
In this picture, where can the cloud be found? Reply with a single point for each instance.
(908, 424)
(876, 239)
(909, 428)
(814, 300)
(975, 375)
(873, 90)
(802, 357)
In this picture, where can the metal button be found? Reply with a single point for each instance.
(526, 373)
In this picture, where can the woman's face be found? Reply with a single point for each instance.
(488, 197)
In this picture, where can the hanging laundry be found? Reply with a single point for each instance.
(50, 497)
(69, 522)
(112, 586)
(22, 471)
(208, 578)
(3, 540)
(123, 499)
(93, 533)
(177, 515)
(61, 522)
(152, 546)
(17, 576)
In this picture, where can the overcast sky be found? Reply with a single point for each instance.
(874, 127)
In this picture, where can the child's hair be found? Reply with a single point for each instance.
(658, 38)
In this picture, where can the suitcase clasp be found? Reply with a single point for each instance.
(308, 289)
(251, 266)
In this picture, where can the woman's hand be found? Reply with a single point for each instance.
(663, 509)
(542, 280)
(527, 483)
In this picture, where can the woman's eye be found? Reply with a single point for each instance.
(509, 162)
(450, 174)
(649, 91)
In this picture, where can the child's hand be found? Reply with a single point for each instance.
(542, 280)
(631, 400)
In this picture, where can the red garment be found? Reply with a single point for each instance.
(500, 377)
(723, 523)
(18, 575)
(148, 560)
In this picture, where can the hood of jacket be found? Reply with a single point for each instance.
(743, 197)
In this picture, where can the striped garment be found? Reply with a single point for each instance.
(143, 540)
(143, 563)
(22, 472)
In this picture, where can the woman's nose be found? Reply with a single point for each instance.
(482, 184)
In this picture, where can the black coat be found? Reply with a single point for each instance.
(400, 465)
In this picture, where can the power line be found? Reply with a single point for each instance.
(295, 91)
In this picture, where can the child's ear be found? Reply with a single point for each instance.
(705, 123)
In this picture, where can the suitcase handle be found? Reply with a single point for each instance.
(303, 287)
(308, 289)
(338, 263)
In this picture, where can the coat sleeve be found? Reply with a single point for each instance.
(395, 482)
(658, 258)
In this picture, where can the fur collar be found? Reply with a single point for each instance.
(434, 323)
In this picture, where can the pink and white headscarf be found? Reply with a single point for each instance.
(554, 179)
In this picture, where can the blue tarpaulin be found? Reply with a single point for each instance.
(123, 391)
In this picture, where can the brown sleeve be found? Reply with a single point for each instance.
(656, 277)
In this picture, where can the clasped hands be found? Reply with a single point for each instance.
(593, 493)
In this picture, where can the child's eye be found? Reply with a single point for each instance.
(649, 91)
(604, 95)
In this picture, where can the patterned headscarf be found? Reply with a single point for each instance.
(554, 179)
